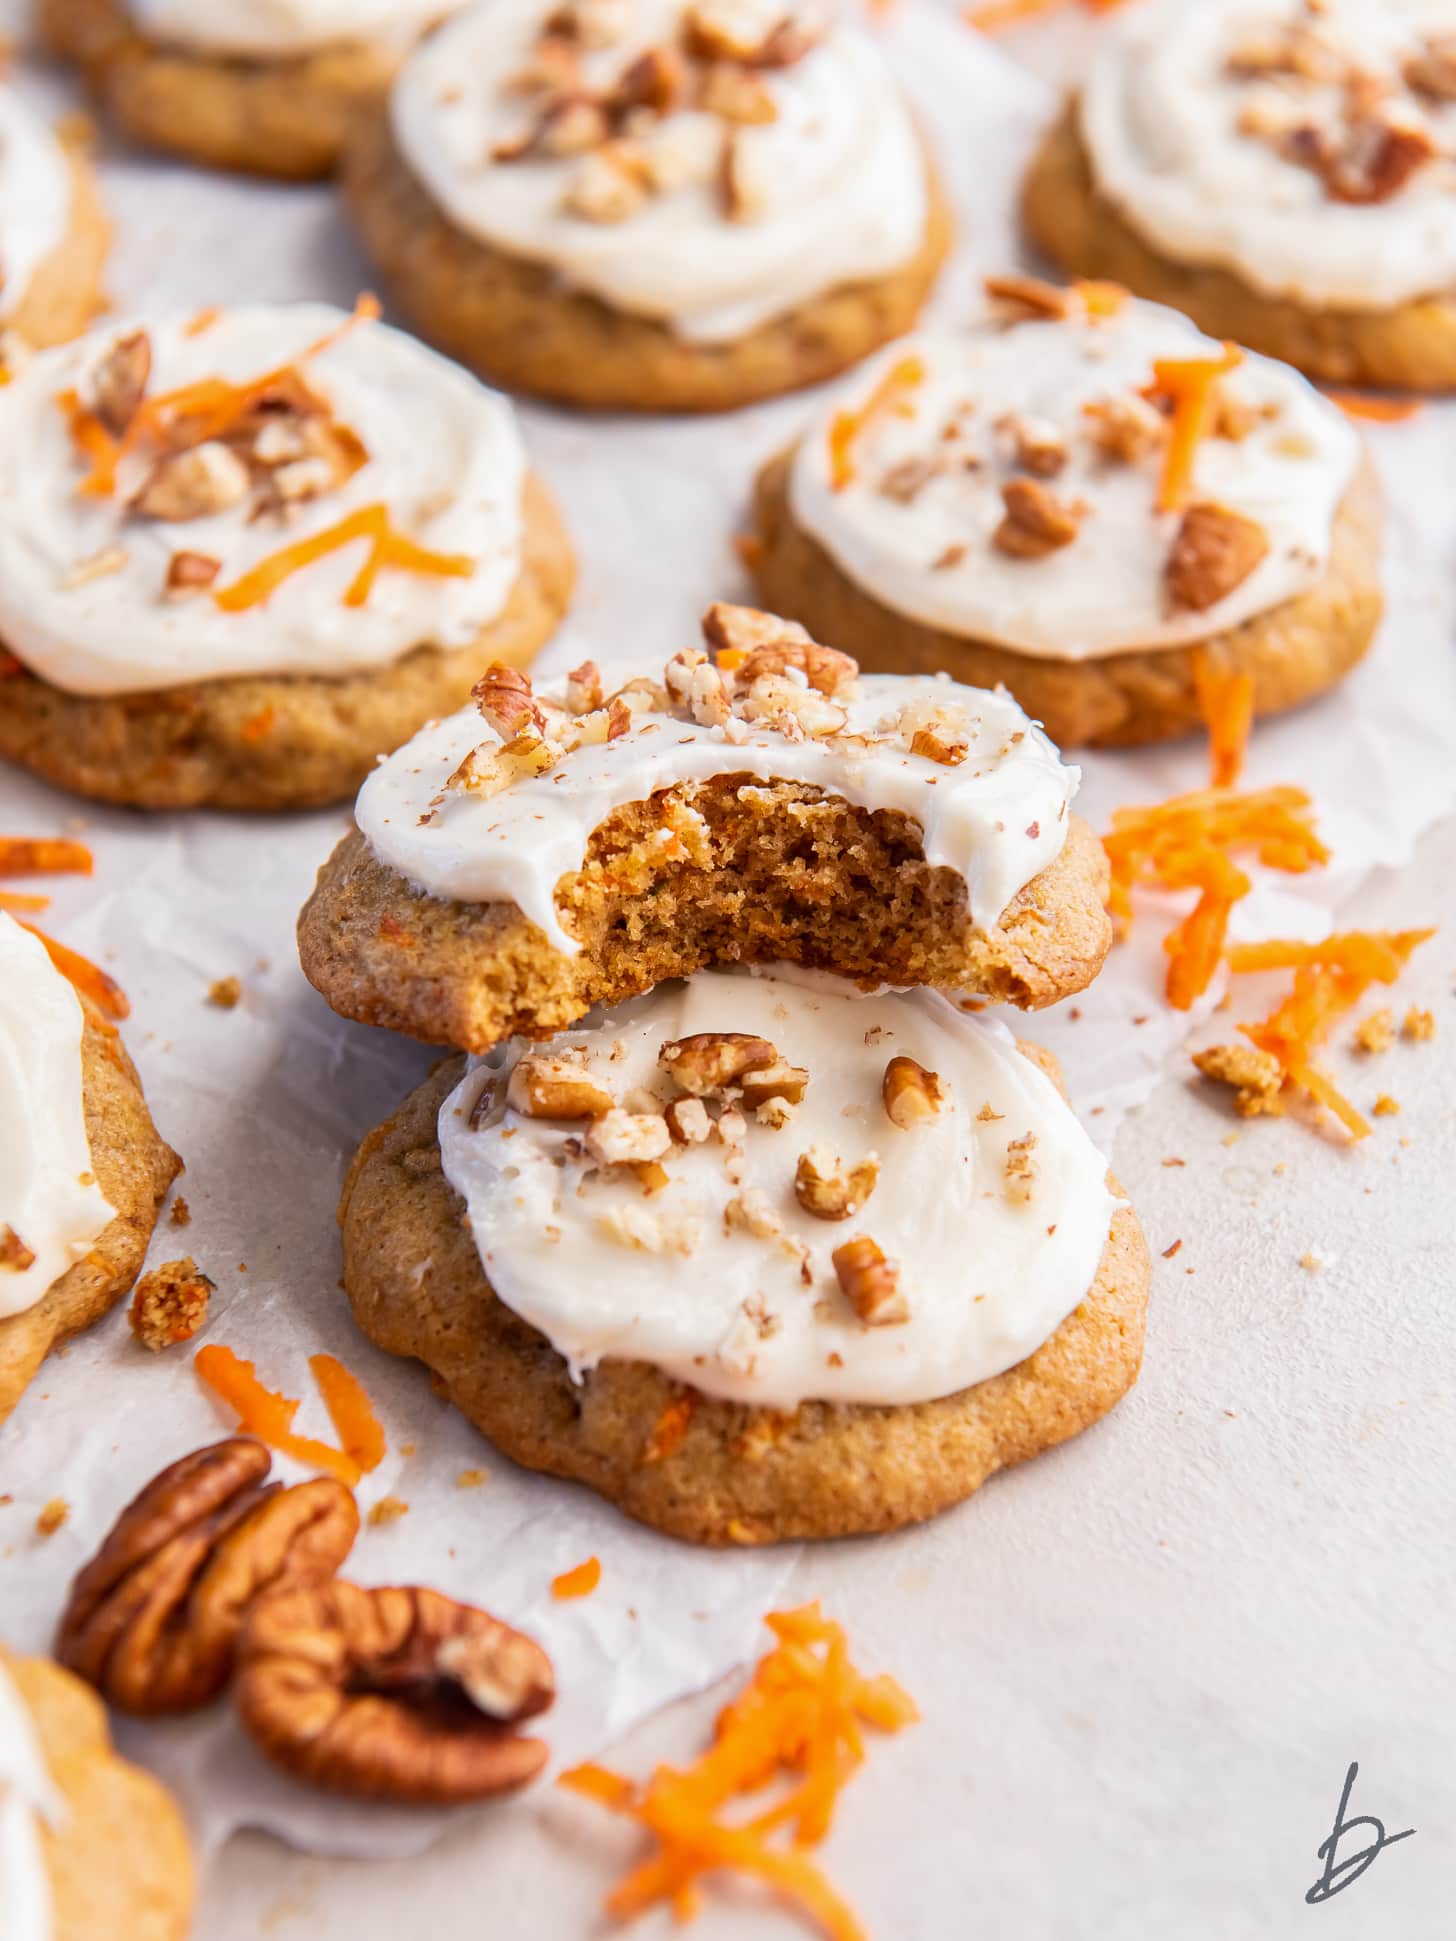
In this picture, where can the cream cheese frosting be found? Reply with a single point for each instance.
(35, 196)
(996, 813)
(827, 180)
(281, 27)
(28, 1794)
(1210, 144)
(914, 523)
(51, 1209)
(993, 1211)
(85, 600)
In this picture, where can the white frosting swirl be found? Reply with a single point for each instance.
(445, 457)
(35, 196)
(840, 173)
(49, 1198)
(1160, 115)
(997, 818)
(606, 1272)
(929, 554)
(28, 1794)
(269, 27)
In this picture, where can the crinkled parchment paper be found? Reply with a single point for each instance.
(265, 1102)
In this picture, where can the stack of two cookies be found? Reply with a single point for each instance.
(734, 1210)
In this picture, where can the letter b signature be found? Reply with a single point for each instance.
(1342, 1873)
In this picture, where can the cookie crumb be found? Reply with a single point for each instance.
(1310, 1262)
(181, 1214)
(1385, 1107)
(1418, 1026)
(1255, 1075)
(1375, 1033)
(170, 1304)
(389, 1509)
(226, 993)
(1170, 1161)
(471, 1478)
(52, 1516)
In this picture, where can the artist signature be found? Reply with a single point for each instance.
(1341, 1872)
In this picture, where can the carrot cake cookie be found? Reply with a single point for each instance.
(53, 233)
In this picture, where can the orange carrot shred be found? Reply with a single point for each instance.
(670, 1427)
(89, 979)
(1227, 701)
(1187, 383)
(267, 1415)
(580, 1582)
(95, 443)
(356, 1425)
(260, 724)
(1374, 408)
(1100, 299)
(992, 15)
(19, 904)
(847, 427)
(798, 1719)
(44, 856)
(386, 548)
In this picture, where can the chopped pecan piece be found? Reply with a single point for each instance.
(571, 124)
(652, 82)
(687, 1122)
(1021, 1168)
(584, 688)
(1214, 552)
(1031, 295)
(911, 1094)
(1036, 521)
(709, 1062)
(506, 700)
(152, 1620)
(1432, 72)
(828, 1189)
(1374, 161)
(545, 1087)
(727, 30)
(194, 484)
(590, 23)
(780, 1080)
(119, 382)
(621, 1138)
(736, 94)
(1124, 428)
(905, 481)
(790, 708)
(170, 1304)
(15, 1256)
(610, 185)
(189, 573)
(392, 1693)
(1036, 444)
(757, 643)
(871, 1284)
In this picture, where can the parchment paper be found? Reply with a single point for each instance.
(266, 1102)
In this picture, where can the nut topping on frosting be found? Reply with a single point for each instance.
(543, 1087)
(871, 1283)
(825, 1187)
(711, 1062)
(911, 1094)
(1215, 552)
(1037, 522)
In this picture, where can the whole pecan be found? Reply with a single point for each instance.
(392, 1693)
(152, 1620)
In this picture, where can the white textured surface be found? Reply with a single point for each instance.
(1145, 1661)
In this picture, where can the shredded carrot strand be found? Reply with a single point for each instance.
(1187, 384)
(1101, 299)
(95, 443)
(847, 427)
(386, 548)
(670, 1427)
(19, 904)
(356, 1425)
(992, 15)
(799, 1718)
(44, 856)
(1377, 410)
(579, 1582)
(1227, 701)
(89, 979)
(267, 1415)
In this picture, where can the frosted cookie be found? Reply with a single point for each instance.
(1084, 498)
(759, 1258)
(573, 848)
(659, 207)
(271, 87)
(94, 1849)
(1282, 171)
(82, 1169)
(242, 554)
(53, 233)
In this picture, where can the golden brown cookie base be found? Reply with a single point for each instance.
(1293, 652)
(1411, 347)
(119, 1865)
(288, 117)
(63, 295)
(277, 741)
(740, 1475)
(511, 321)
(792, 875)
(134, 1167)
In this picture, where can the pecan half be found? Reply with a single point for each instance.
(153, 1619)
(392, 1693)
(1036, 521)
(707, 1063)
(764, 644)
(1214, 552)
